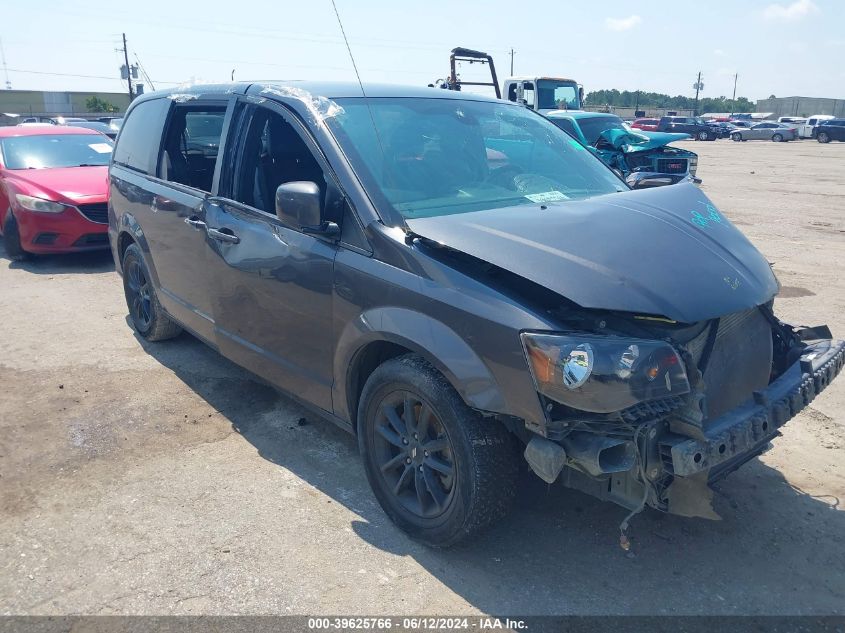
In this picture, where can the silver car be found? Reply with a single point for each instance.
(766, 131)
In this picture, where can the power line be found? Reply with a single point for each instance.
(54, 74)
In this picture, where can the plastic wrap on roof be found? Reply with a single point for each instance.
(320, 107)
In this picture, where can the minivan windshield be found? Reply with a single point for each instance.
(435, 156)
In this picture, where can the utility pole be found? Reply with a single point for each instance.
(5, 69)
(512, 54)
(733, 100)
(128, 69)
(698, 86)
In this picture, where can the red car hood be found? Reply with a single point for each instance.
(76, 184)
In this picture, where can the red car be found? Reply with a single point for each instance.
(53, 189)
(649, 125)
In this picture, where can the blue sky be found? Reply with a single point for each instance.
(788, 47)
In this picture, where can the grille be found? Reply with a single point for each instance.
(672, 165)
(638, 159)
(740, 362)
(98, 212)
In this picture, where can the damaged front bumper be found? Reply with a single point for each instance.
(671, 467)
(745, 431)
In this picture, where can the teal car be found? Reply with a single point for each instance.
(634, 154)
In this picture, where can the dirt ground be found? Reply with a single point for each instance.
(162, 479)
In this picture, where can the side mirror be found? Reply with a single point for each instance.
(298, 206)
(647, 180)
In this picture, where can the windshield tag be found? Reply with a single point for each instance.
(547, 196)
(101, 148)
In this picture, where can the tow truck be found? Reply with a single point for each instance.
(543, 94)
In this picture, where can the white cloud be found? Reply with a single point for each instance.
(794, 11)
(622, 24)
(719, 53)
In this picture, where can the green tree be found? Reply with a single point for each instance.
(630, 99)
(95, 104)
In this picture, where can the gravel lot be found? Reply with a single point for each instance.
(162, 479)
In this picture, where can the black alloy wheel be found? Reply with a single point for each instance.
(146, 313)
(415, 455)
(440, 470)
(138, 295)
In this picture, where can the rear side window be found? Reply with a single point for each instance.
(137, 144)
(192, 144)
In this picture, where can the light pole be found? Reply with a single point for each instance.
(733, 100)
(698, 86)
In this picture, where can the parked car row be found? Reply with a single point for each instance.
(824, 128)
(109, 125)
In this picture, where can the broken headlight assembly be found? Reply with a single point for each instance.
(603, 374)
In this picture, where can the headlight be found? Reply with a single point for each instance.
(603, 374)
(31, 203)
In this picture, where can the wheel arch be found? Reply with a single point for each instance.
(362, 347)
(130, 232)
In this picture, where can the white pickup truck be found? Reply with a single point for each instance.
(806, 130)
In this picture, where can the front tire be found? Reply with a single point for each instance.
(703, 136)
(440, 471)
(823, 137)
(148, 317)
(12, 239)
(736, 136)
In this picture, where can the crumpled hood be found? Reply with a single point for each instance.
(75, 184)
(657, 139)
(631, 142)
(665, 251)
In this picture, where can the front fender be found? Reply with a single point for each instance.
(422, 334)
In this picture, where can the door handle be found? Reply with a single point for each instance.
(223, 235)
(195, 222)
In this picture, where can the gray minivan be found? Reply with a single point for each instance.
(463, 286)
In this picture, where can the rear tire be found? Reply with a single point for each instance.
(12, 239)
(440, 471)
(777, 138)
(736, 136)
(823, 137)
(703, 136)
(148, 317)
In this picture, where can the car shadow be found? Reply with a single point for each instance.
(558, 551)
(99, 261)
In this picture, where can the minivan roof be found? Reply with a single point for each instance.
(331, 90)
